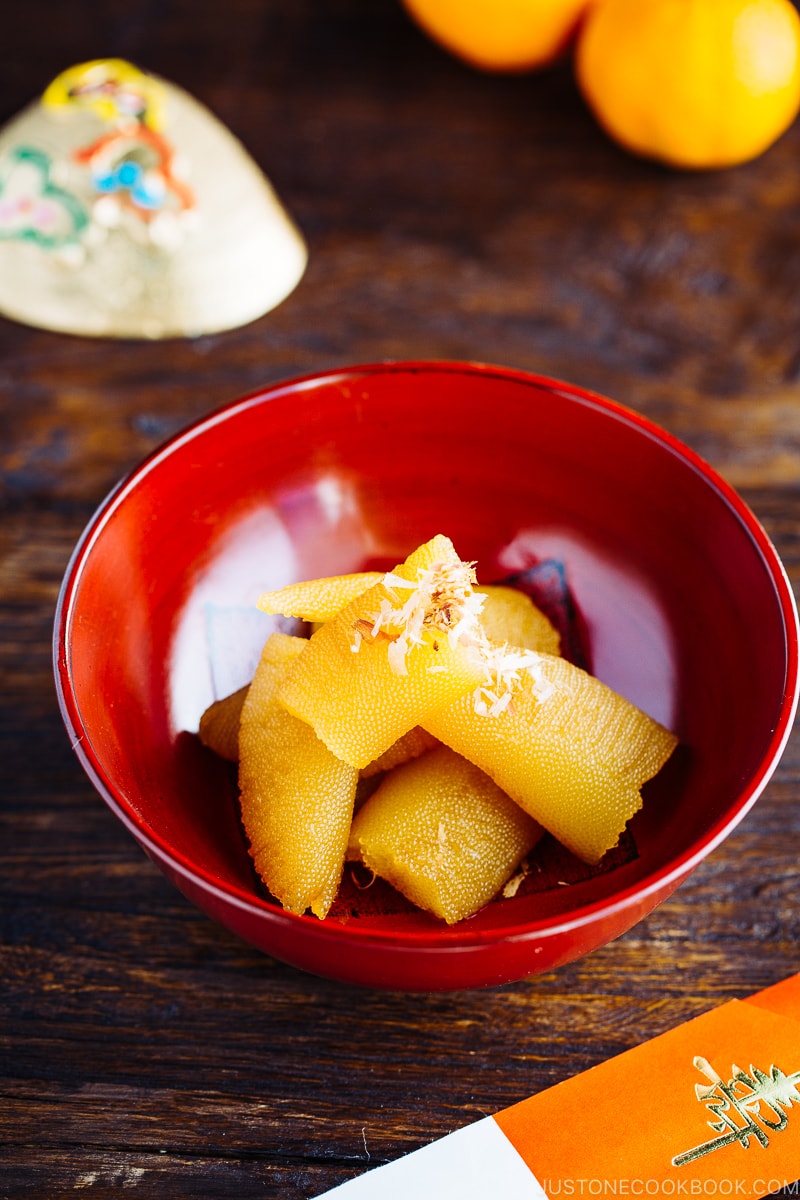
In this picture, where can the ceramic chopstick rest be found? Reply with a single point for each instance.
(128, 210)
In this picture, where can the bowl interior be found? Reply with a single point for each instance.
(681, 602)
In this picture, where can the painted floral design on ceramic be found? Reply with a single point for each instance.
(127, 210)
(116, 91)
(32, 207)
(132, 166)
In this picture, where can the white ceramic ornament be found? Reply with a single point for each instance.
(128, 210)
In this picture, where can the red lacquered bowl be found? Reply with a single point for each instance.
(682, 603)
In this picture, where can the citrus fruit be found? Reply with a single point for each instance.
(441, 832)
(296, 797)
(694, 83)
(500, 35)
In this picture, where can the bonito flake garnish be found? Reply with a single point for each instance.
(416, 635)
(441, 602)
(504, 676)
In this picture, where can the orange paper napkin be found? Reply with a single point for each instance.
(711, 1108)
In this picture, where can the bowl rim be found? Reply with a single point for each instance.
(459, 937)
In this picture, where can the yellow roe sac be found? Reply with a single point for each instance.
(507, 616)
(409, 746)
(318, 599)
(219, 725)
(441, 832)
(568, 749)
(401, 649)
(296, 797)
(510, 616)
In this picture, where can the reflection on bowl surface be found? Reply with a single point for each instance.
(683, 605)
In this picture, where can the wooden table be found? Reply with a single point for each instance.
(448, 215)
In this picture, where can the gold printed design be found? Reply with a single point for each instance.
(747, 1109)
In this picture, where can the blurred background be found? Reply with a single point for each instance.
(448, 214)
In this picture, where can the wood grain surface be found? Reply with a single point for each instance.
(448, 215)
